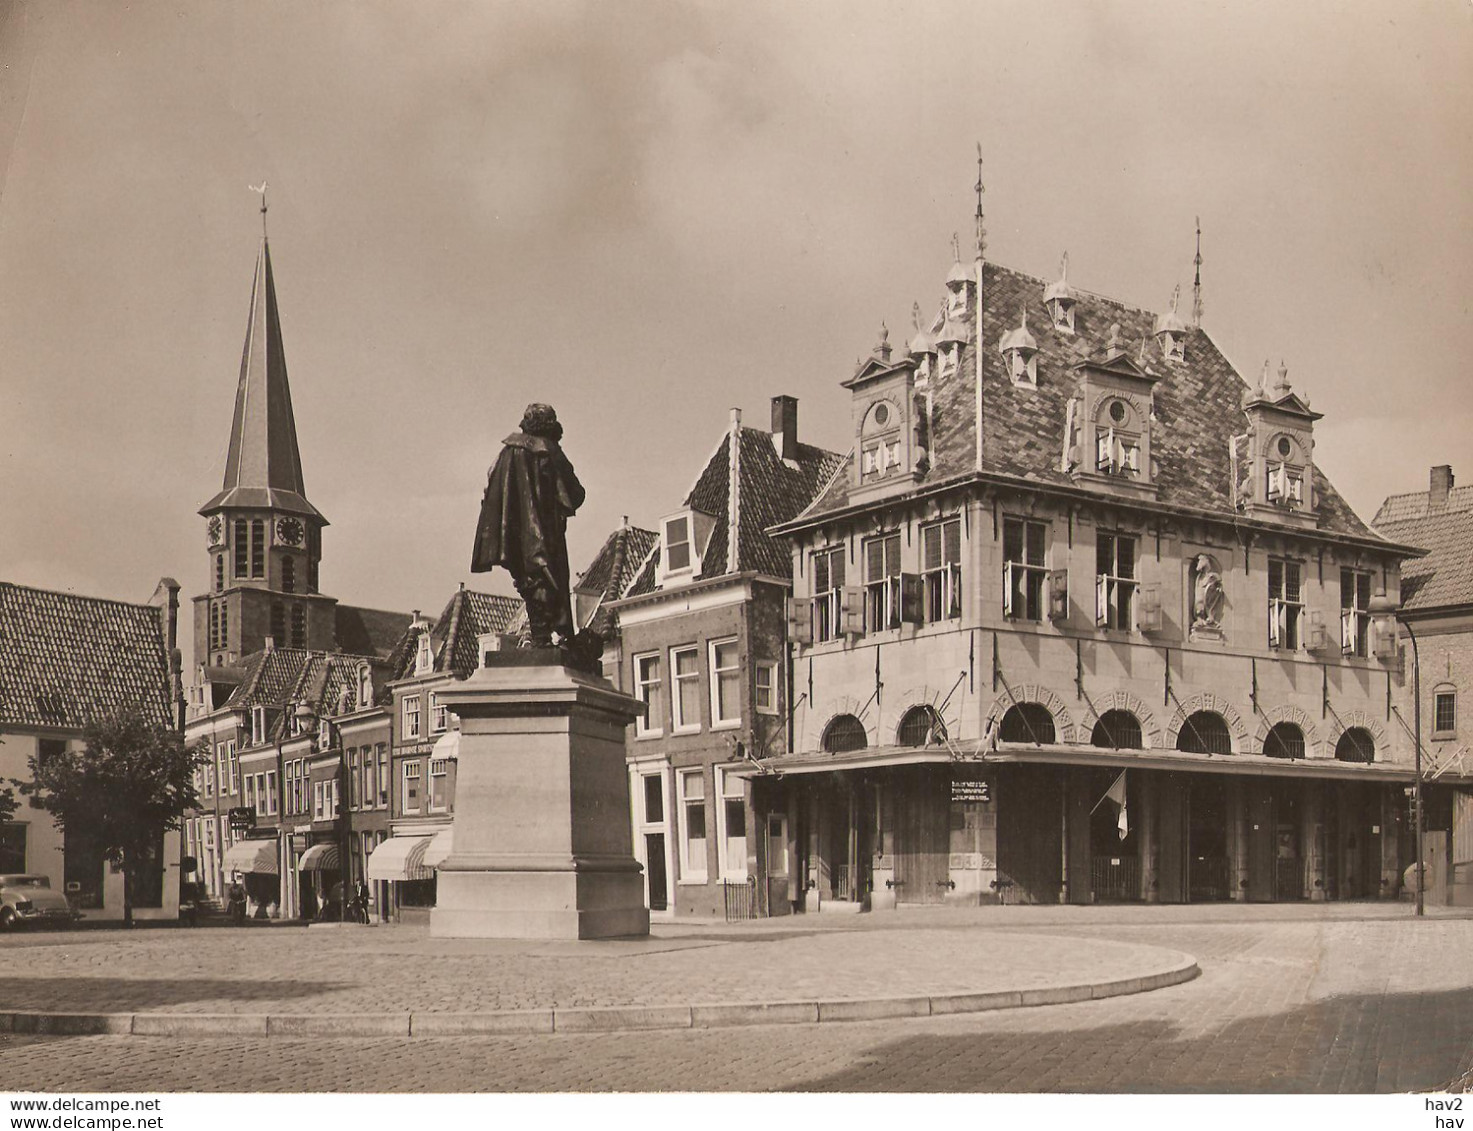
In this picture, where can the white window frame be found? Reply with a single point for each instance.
(828, 603)
(732, 870)
(765, 687)
(385, 774)
(1113, 588)
(318, 805)
(679, 723)
(439, 715)
(941, 583)
(652, 723)
(439, 768)
(411, 717)
(271, 794)
(882, 594)
(733, 671)
(232, 762)
(258, 728)
(1286, 618)
(1021, 574)
(409, 771)
(1439, 693)
(1355, 618)
(690, 873)
(370, 778)
(687, 520)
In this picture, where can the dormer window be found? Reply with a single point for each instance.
(677, 544)
(1021, 350)
(1059, 298)
(258, 725)
(1171, 331)
(365, 686)
(1118, 439)
(324, 735)
(1284, 473)
(880, 443)
(424, 654)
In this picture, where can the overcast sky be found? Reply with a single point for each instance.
(648, 214)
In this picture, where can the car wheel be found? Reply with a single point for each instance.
(7, 918)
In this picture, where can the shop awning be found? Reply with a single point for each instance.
(251, 856)
(320, 858)
(440, 847)
(447, 746)
(399, 858)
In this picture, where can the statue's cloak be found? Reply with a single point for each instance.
(530, 494)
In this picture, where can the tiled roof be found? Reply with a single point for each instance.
(368, 632)
(467, 615)
(66, 659)
(770, 491)
(1445, 576)
(284, 676)
(609, 574)
(1198, 404)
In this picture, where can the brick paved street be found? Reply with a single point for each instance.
(1317, 1000)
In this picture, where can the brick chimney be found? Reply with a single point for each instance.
(1442, 483)
(166, 599)
(785, 426)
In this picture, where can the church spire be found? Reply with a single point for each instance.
(263, 467)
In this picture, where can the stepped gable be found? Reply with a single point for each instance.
(1198, 404)
(67, 659)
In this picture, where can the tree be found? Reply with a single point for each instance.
(122, 791)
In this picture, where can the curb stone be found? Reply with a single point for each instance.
(607, 1019)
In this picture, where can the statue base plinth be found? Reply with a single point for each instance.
(542, 841)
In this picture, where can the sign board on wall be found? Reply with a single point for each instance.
(969, 784)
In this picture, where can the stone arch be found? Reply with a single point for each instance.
(1288, 713)
(922, 695)
(841, 705)
(1207, 701)
(1120, 700)
(1338, 725)
(1064, 727)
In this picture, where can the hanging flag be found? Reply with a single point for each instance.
(1116, 795)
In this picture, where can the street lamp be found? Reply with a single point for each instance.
(1384, 617)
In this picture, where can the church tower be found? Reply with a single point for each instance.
(263, 538)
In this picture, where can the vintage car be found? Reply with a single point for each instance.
(32, 899)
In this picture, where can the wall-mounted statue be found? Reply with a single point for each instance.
(1207, 595)
(531, 493)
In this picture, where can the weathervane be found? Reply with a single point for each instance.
(981, 230)
(261, 188)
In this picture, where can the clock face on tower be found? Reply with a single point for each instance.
(214, 531)
(289, 531)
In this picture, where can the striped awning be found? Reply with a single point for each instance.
(440, 847)
(251, 856)
(320, 858)
(400, 858)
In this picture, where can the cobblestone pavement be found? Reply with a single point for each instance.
(401, 969)
(1321, 1001)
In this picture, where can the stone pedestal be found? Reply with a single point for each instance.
(542, 842)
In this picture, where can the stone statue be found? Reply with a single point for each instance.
(531, 493)
(1207, 601)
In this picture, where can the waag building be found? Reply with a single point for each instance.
(1081, 619)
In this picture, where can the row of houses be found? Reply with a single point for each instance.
(1075, 616)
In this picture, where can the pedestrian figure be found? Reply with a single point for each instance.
(237, 897)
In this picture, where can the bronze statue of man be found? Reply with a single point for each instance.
(530, 494)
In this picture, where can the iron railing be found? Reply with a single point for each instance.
(739, 899)
(1115, 879)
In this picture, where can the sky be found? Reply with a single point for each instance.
(648, 214)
